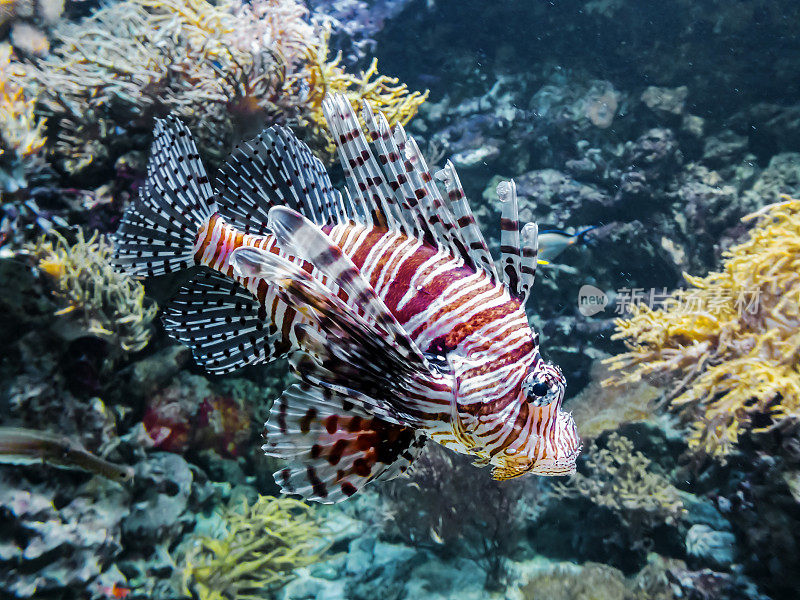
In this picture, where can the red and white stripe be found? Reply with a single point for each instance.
(435, 297)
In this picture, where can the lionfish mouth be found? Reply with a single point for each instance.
(511, 471)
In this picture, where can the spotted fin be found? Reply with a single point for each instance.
(222, 323)
(480, 256)
(519, 253)
(333, 447)
(389, 179)
(530, 259)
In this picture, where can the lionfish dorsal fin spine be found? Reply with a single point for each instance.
(391, 178)
(389, 157)
(510, 249)
(359, 165)
(530, 258)
(221, 322)
(275, 168)
(480, 257)
(444, 221)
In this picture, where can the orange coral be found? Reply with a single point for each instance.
(232, 67)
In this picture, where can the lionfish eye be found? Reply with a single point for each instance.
(539, 389)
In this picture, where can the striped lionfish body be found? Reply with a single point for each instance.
(385, 300)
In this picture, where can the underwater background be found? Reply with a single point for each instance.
(665, 134)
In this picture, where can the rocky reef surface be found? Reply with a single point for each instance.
(650, 131)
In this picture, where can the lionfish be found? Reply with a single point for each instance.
(385, 299)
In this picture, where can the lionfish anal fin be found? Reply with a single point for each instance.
(332, 446)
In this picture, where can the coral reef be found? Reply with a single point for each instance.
(660, 128)
(731, 340)
(96, 299)
(264, 542)
(21, 130)
(232, 68)
(597, 409)
(51, 547)
(660, 579)
(110, 74)
(189, 415)
(356, 22)
(324, 76)
(619, 478)
(26, 22)
(448, 505)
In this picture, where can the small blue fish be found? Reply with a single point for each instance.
(553, 242)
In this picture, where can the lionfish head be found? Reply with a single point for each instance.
(549, 443)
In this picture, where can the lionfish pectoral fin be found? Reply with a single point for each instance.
(313, 370)
(351, 353)
(221, 322)
(300, 237)
(457, 365)
(332, 446)
(459, 431)
(158, 231)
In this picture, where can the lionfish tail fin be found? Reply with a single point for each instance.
(332, 447)
(157, 233)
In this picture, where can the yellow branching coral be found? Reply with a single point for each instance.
(385, 94)
(265, 543)
(21, 131)
(620, 479)
(732, 340)
(97, 300)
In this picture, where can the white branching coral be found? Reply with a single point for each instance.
(226, 68)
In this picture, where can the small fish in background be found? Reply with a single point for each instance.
(386, 301)
(115, 591)
(552, 242)
(29, 446)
